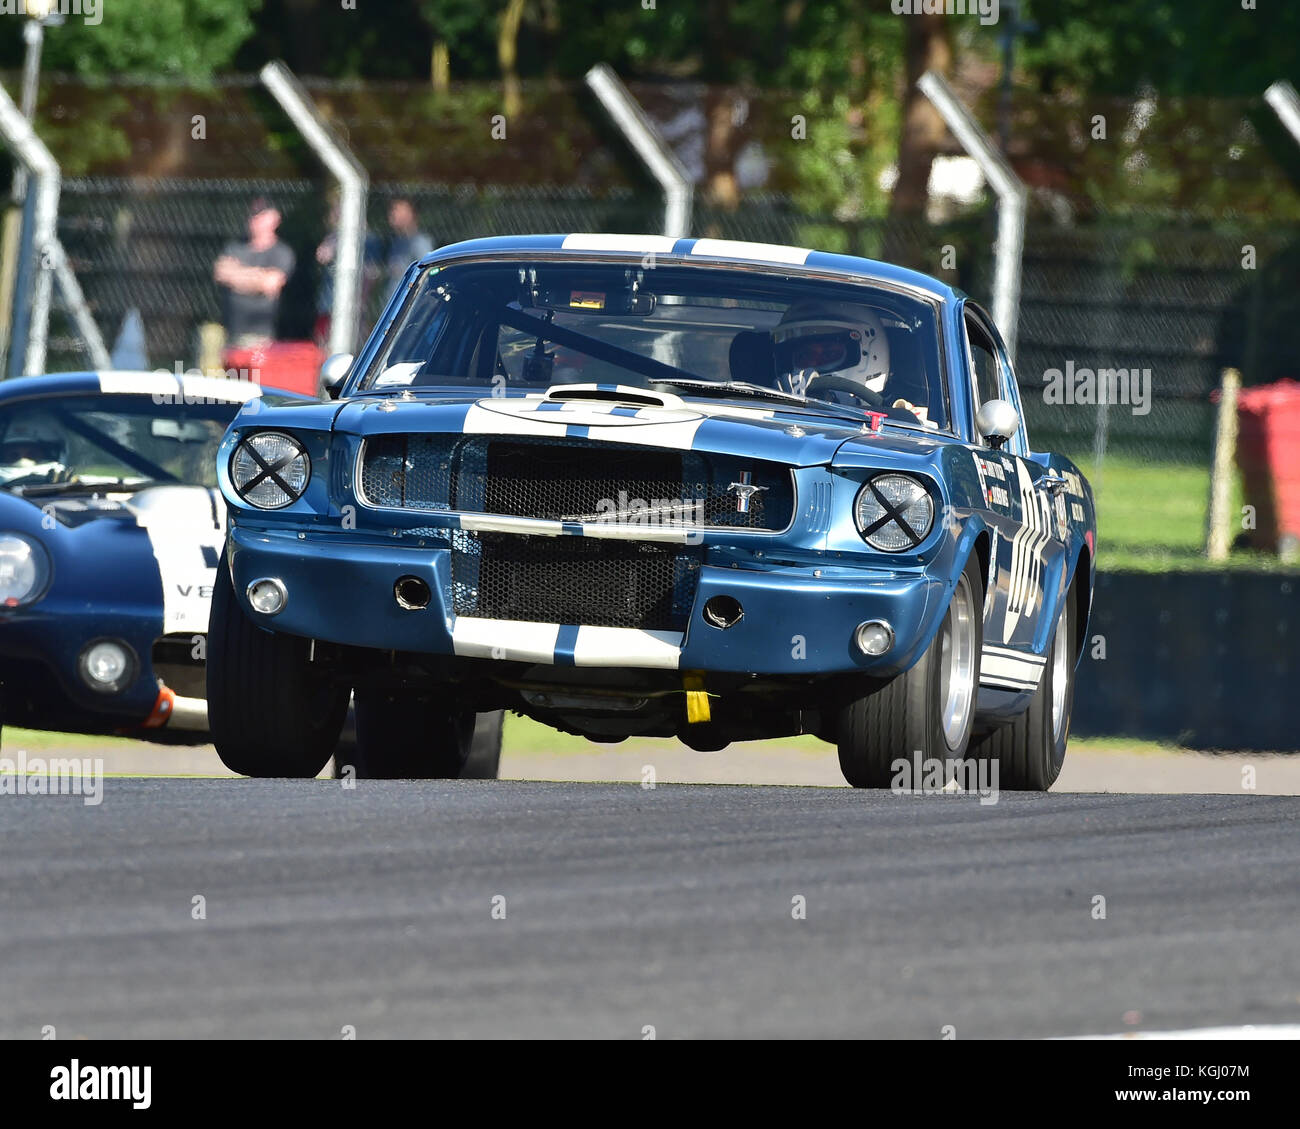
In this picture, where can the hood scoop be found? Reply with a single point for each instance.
(612, 394)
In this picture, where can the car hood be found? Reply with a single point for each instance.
(794, 436)
(192, 511)
(174, 532)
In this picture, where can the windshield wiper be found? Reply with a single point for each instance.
(50, 489)
(733, 387)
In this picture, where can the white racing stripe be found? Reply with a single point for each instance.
(169, 388)
(504, 639)
(628, 646)
(740, 249)
(515, 641)
(675, 431)
(181, 522)
(609, 531)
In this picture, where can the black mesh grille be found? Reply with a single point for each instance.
(573, 580)
(576, 480)
(408, 471)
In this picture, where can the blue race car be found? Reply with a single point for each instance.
(630, 485)
(110, 533)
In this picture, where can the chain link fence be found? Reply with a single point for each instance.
(1113, 280)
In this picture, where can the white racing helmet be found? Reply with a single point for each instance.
(832, 337)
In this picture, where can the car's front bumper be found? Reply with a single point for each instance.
(797, 620)
(40, 648)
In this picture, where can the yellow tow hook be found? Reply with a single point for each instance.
(697, 700)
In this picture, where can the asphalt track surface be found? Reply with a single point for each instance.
(625, 907)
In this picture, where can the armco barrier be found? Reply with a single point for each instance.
(1208, 660)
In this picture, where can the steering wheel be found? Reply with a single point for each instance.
(832, 383)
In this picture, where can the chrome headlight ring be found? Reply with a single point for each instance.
(270, 470)
(894, 512)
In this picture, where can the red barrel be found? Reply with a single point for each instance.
(291, 365)
(1268, 453)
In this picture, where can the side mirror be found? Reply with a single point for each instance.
(333, 372)
(997, 421)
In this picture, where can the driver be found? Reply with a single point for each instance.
(33, 448)
(823, 347)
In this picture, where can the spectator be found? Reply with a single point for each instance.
(252, 275)
(408, 243)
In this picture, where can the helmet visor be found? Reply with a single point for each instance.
(828, 351)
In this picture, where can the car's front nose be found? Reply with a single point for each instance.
(554, 545)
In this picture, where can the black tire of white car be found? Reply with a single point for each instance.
(414, 737)
(1030, 750)
(484, 761)
(270, 713)
(893, 736)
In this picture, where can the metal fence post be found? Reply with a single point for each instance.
(354, 184)
(44, 170)
(1009, 248)
(648, 144)
(1286, 104)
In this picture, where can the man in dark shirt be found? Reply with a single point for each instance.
(251, 276)
(408, 243)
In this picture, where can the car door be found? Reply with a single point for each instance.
(1024, 508)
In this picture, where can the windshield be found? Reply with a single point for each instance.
(129, 443)
(521, 328)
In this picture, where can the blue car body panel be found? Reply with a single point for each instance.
(803, 590)
(113, 575)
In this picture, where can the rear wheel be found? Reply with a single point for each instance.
(402, 736)
(271, 713)
(1030, 750)
(923, 716)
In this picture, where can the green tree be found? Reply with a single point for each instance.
(188, 38)
(1173, 46)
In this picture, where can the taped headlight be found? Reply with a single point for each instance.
(270, 470)
(24, 570)
(894, 513)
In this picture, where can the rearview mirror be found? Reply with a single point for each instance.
(185, 431)
(333, 372)
(997, 421)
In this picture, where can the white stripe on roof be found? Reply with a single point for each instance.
(739, 249)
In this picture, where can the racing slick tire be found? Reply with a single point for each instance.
(895, 734)
(418, 737)
(270, 713)
(484, 761)
(1030, 750)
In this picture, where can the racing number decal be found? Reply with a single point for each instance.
(1032, 537)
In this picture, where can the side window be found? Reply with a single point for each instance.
(984, 365)
(992, 381)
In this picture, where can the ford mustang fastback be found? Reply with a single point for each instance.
(637, 486)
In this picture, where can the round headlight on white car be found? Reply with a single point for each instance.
(24, 570)
(270, 470)
(894, 512)
(107, 665)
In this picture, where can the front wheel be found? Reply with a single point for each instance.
(270, 711)
(1030, 750)
(897, 734)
